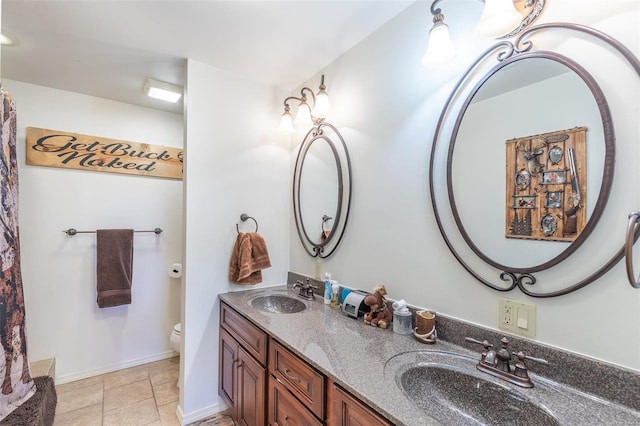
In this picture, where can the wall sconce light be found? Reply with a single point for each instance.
(499, 18)
(162, 90)
(440, 48)
(306, 114)
(7, 39)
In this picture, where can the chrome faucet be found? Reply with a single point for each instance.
(306, 290)
(498, 363)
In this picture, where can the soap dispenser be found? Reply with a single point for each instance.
(335, 288)
(327, 288)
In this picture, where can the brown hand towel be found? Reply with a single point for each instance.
(115, 264)
(248, 258)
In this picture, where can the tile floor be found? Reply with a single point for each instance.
(142, 395)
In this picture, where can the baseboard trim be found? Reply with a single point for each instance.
(66, 378)
(200, 414)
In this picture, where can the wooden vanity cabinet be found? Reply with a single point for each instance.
(242, 369)
(285, 392)
(345, 410)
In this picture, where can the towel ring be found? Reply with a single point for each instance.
(325, 219)
(632, 228)
(244, 217)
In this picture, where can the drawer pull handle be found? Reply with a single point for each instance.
(290, 377)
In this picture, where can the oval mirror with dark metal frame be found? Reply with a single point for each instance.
(507, 53)
(549, 222)
(322, 190)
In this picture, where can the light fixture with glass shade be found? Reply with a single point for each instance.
(500, 18)
(322, 108)
(440, 48)
(303, 117)
(307, 114)
(7, 39)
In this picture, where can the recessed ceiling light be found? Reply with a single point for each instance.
(7, 39)
(162, 90)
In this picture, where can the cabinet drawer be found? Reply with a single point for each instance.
(285, 410)
(250, 337)
(298, 377)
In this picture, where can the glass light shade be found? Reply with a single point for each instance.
(440, 48)
(498, 18)
(7, 39)
(286, 123)
(303, 116)
(322, 108)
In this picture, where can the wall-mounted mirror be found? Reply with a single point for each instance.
(481, 185)
(517, 144)
(322, 190)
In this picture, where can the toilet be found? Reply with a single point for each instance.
(174, 342)
(176, 335)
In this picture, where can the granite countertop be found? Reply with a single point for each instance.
(368, 362)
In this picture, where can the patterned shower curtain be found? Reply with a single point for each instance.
(17, 385)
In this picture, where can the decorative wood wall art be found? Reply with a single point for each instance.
(53, 148)
(546, 192)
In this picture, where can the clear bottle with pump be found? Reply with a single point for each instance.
(327, 288)
(335, 288)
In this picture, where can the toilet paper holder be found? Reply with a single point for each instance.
(175, 270)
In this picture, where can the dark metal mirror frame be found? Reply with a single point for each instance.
(322, 131)
(508, 52)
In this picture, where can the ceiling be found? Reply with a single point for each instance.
(108, 48)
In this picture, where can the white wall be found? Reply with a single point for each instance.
(233, 165)
(63, 319)
(386, 105)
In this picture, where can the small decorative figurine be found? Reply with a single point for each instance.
(380, 314)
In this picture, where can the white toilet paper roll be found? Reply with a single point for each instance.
(175, 270)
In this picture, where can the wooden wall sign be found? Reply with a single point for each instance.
(53, 148)
(546, 186)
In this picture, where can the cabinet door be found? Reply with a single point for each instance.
(228, 371)
(251, 391)
(345, 410)
(285, 410)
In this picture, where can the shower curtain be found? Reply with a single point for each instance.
(17, 385)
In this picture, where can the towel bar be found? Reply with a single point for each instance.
(72, 231)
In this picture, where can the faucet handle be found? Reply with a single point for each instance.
(485, 351)
(520, 369)
(484, 343)
(522, 356)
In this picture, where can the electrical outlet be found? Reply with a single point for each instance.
(517, 317)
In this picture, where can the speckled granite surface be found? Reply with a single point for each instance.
(374, 364)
